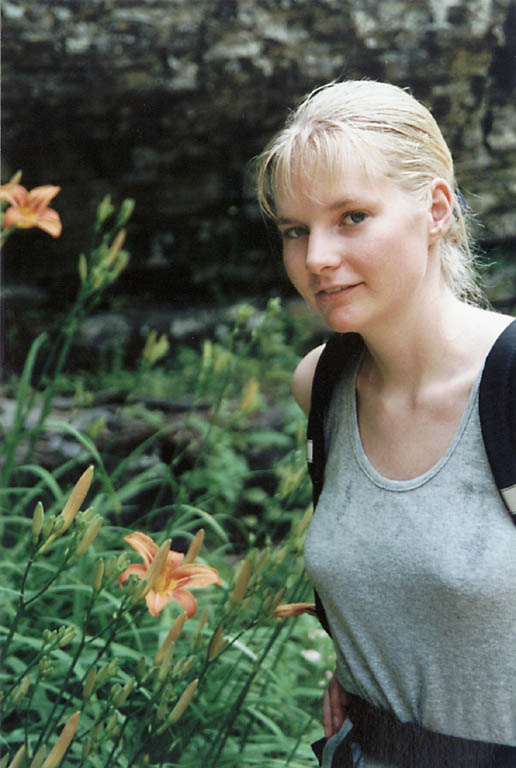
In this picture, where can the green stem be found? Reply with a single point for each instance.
(64, 684)
(223, 732)
(19, 611)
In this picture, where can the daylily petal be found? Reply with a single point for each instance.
(50, 222)
(169, 578)
(13, 193)
(187, 600)
(156, 601)
(136, 568)
(197, 575)
(20, 217)
(174, 559)
(144, 545)
(285, 610)
(40, 197)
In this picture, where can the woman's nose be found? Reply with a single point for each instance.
(322, 252)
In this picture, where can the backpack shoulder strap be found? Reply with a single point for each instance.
(338, 351)
(497, 410)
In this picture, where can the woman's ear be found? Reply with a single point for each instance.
(441, 209)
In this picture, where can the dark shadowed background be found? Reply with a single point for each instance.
(167, 101)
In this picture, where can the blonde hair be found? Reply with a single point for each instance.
(389, 129)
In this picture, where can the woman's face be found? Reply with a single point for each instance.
(360, 250)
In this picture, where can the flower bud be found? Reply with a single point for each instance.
(216, 643)
(82, 268)
(106, 671)
(86, 747)
(19, 692)
(45, 667)
(63, 742)
(200, 625)
(157, 565)
(67, 634)
(244, 313)
(260, 563)
(183, 702)
(37, 521)
(19, 757)
(194, 548)
(166, 663)
(115, 690)
(126, 210)
(76, 498)
(112, 724)
(141, 667)
(38, 758)
(89, 535)
(89, 683)
(98, 574)
(120, 699)
(175, 631)
(47, 527)
(278, 597)
(242, 581)
(115, 247)
(104, 210)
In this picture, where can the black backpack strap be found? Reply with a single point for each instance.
(338, 351)
(497, 409)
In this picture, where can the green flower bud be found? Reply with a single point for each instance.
(37, 521)
(86, 747)
(67, 634)
(37, 760)
(48, 526)
(89, 683)
(83, 268)
(18, 759)
(126, 210)
(104, 210)
(98, 574)
(89, 535)
(110, 567)
(120, 699)
(183, 702)
(141, 667)
(112, 723)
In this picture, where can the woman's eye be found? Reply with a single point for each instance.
(355, 217)
(293, 233)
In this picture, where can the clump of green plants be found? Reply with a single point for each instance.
(106, 660)
(100, 661)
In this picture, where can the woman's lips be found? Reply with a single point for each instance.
(335, 292)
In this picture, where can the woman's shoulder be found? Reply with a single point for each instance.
(303, 378)
(487, 325)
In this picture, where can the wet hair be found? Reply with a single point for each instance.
(391, 132)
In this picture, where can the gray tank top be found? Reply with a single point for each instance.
(418, 580)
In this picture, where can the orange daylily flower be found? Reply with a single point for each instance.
(285, 610)
(30, 209)
(173, 579)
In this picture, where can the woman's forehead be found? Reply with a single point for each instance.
(351, 180)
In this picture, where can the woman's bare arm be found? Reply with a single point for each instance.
(303, 377)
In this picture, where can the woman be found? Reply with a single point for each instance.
(411, 549)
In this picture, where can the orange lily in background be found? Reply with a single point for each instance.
(30, 209)
(173, 579)
(285, 610)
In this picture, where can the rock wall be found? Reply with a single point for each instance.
(167, 101)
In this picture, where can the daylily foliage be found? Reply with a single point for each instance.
(173, 579)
